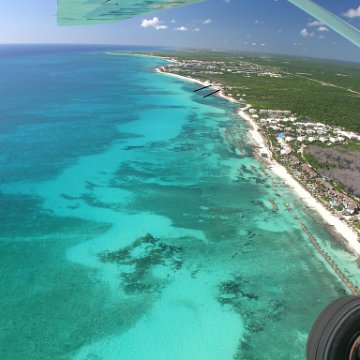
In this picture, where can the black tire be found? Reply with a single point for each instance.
(335, 330)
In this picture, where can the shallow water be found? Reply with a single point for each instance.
(132, 230)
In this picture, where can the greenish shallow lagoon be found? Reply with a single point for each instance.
(131, 230)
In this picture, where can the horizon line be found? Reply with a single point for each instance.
(182, 49)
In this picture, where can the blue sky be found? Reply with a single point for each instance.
(251, 25)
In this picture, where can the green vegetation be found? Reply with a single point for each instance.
(352, 145)
(319, 90)
(338, 186)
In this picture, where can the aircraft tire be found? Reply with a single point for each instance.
(335, 334)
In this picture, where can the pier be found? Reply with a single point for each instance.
(226, 137)
(236, 141)
(273, 203)
(347, 282)
(212, 93)
(204, 87)
(326, 256)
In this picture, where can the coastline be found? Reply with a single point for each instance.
(117, 53)
(341, 228)
(203, 83)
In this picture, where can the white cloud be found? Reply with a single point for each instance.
(315, 23)
(227, 1)
(323, 29)
(181, 28)
(207, 21)
(196, 29)
(161, 27)
(151, 22)
(154, 23)
(352, 13)
(173, 21)
(305, 33)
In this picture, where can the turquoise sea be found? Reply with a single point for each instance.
(131, 230)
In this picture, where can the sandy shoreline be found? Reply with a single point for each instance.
(203, 83)
(342, 228)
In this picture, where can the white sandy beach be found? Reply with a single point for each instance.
(203, 83)
(340, 226)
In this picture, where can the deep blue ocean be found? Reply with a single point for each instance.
(130, 229)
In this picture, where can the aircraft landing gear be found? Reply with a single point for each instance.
(335, 334)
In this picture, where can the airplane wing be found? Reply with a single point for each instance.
(331, 20)
(75, 12)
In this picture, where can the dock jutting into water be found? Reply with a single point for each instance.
(212, 93)
(204, 87)
(226, 137)
(236, 141)
(348, 283)
(326, 256)
(274, 204)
